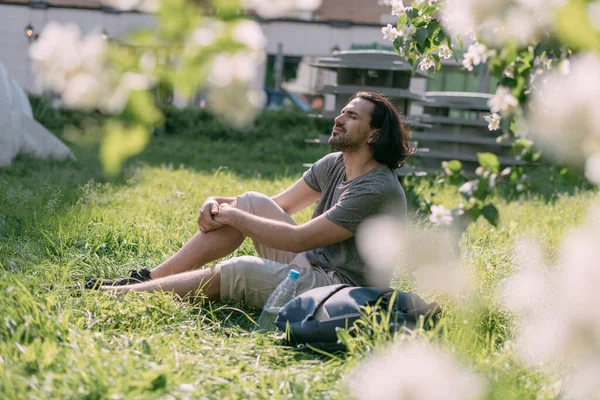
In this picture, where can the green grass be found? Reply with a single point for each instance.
(64, 222)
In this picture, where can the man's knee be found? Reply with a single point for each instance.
(247, 200)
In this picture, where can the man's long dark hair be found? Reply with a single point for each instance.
(392, 145)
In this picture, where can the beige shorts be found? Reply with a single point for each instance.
(253, 279)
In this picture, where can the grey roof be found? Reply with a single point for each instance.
(365, 59)
(458, 100)
(388, 91)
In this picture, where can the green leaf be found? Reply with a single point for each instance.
(146, 347)
(536, 156)
(412, 13)
(401, 21)
(508, 82)
(142, 37)
(497, 66)
(490, 212)
(421, 36)
(454, 165)
(570, 176)
(438, 64)
(539, 49)
(398, 42)
(120, 143)
(414, 62)
(432, 26)
(489, 161)
(575, 28)
(141, 107)
(451, 46)
(521, 145)
(475, 213)
(510, 53)
(160, 382)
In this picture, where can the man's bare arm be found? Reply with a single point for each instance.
(297, 197)
(318, 232)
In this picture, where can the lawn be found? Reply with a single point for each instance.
(64, 222)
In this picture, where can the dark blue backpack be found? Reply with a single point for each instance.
(313, 317)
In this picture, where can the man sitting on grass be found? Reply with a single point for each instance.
(357, 182)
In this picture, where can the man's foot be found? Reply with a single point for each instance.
(135, 276)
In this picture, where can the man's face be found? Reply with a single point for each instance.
(353, 126)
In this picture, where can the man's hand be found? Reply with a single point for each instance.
(207, 214)
(226, 214)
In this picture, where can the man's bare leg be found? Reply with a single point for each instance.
(205, 282)
(202, 248)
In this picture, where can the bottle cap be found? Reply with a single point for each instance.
(294, 274)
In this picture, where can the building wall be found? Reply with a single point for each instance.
(14, 44)
(318, 38)
(299, 38)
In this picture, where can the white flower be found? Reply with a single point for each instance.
(236, 102)
(493, 121)
(227, 68)
(413, 371)
(386, 243)
(150, 6)
(397, 7)
(445, 52)
(592, 168)
(407, 30)
(380, 243)
(503, 102)
(526, 290)
(564, 67)
(76, 67)
(469, 188)
(561, 328)
(440, 216)
(83, 91)
(500, 22)
(594, 13)
(509, 70)
(148, 62)
(564, 112)
(390, 32)
(475, 55)
(248, 32)
(467, 61)
(280, 8)
(124, 5)
(427, 63)
(543, 62)
(229, 94)
(56, 54)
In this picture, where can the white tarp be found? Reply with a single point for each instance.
(19, 132)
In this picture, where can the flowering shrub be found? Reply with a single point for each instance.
(196, 45)
(529, 47)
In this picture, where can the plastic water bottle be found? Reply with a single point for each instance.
(285, 292)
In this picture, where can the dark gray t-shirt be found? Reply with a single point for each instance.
(348, 203)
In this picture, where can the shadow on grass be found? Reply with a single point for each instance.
(266, 158)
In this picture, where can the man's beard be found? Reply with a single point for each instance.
(342, 142)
